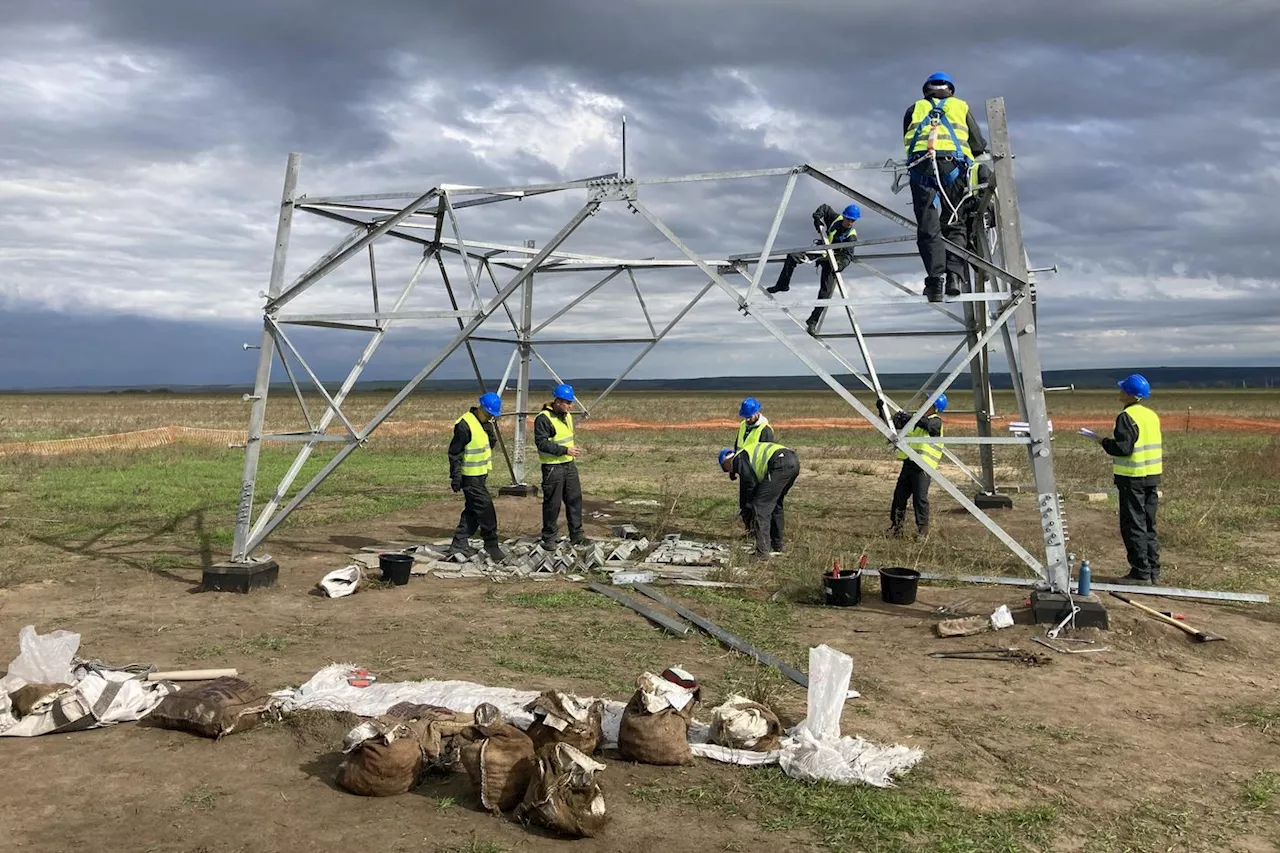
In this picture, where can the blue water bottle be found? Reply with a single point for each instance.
(1086, 578)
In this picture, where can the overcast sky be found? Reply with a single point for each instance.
(143, 146)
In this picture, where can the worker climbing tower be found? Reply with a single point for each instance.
(469, 281)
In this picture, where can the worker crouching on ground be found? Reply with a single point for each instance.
(470, 461)
(834, 228)
(765, 473)
(942, 138)
(557, 450)
(1137, 465)
(913, 481)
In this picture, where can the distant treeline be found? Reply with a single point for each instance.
(1161, 377)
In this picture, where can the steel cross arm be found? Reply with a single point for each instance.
(374, 316)
(331, 263)
(1005, 315)
(555, 342)
(836, 302)
(853, 401)
(661, 335)
(349, 383)
(556, 316)
(587, 210)
(390, 196)
(337, 217)
(919, 333)
(979, 262)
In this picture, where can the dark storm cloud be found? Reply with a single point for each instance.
(144, 143)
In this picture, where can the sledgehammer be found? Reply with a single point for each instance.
(1202, 636)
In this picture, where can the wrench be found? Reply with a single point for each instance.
(1053, 633)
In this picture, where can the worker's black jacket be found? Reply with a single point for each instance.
(1122, 444)
(823, 218)
(742, 471)
(543, 432)
(461, 437)
(977, 142)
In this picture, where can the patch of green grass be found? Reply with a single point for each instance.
(203, 798)
(1264, 718)
(446, 803)
(560, 599)
(1260, 791)
(209, 652)
(709, 796)
(474, 846)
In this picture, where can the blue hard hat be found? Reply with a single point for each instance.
(1135, 385)
(749, 407)
(941, 403)
(491, 403)
(724, 454)
(564, 392)
(940, 77)
(852, 212)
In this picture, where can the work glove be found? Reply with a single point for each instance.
(900, 419)
(456, 485)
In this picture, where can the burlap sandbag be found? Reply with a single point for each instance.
(27, 697)
(740, 723)
(217, 709)
(564, 795)
(499, 759)
(391, 761)
(659, 738)
(558, 718)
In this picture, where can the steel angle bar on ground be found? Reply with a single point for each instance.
(662, 620)
(1162, 591)
(831, 382)
(589, 208)
(330, 263)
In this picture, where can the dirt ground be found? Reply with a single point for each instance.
(1144, 725)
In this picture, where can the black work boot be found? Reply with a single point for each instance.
(461, 549)
(933, 289)
(495, 552)
(778, 288)
(953, 284)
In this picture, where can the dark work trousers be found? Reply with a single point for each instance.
(913, 483)
(560, 485)
(477, 513)
(767, 504)
(826, 283)
(932, 224)
(1138, 503)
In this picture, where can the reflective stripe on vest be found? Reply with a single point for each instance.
(931, 452)
(749, 434)
(1145, 460)
(952, 117)
(477, 458)
(836, 235)
(761, 453)
(562, 434)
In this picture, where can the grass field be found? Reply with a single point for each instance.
(107, 543)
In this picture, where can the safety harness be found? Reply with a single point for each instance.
(931, 177)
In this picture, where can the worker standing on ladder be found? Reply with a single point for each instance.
(913, 481)
(1137, 466)
(834, 228)
(765, 473)
(557, 451)
(470, 461)
(942, 138)
(754, 427)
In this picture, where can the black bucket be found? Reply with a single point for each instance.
(844, 590)
(395, 568)
(898, 585)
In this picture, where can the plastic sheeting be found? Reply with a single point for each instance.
(813, 750)
(98, 695)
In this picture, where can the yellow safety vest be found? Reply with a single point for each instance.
(749, 434)
(1145, 460)
(931, 452)
(761, 453)
(477, 458)
(952, 116)
(563, 435)
(835, 235)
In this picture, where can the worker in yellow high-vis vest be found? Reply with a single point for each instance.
(1137, 464)
(833, 228)
(558, 452)
(753, 427)
(942, 138)
(470, 461)
(913, 481)
(765, 472)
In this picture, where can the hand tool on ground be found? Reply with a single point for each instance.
(1012, 654)
(1053, 632)
(1042, 641)
(1201, 636)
